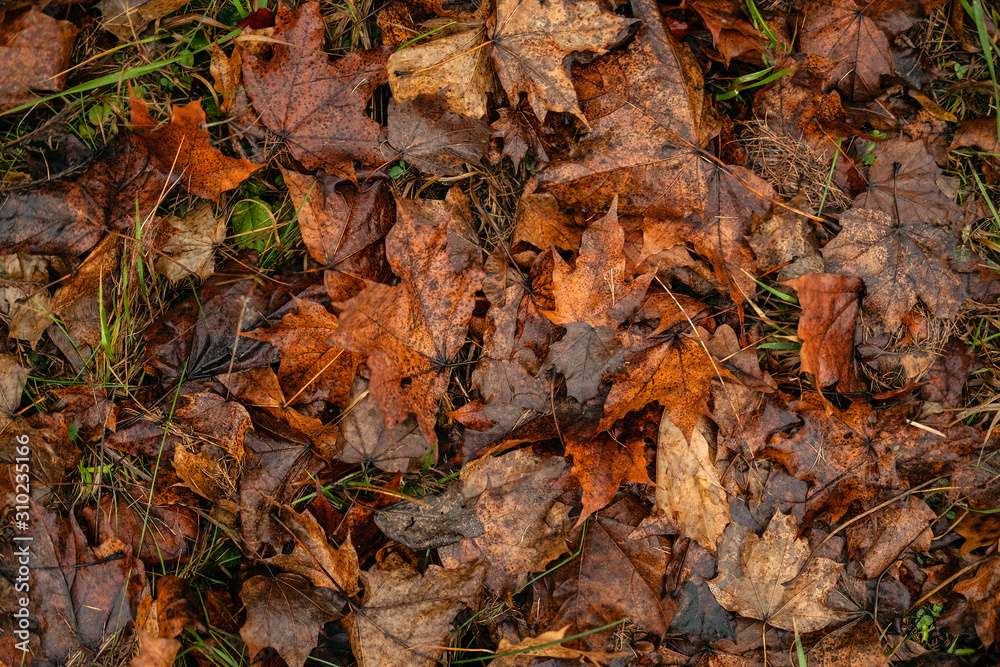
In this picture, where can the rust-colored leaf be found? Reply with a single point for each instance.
(35, 51)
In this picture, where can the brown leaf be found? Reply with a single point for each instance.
(13, 378)
(677, 373)
(84, 606)
(906, 184)
(311, 368)
(735, 195)
(883, 538)
(366, 439)
(411, 331)
(979, 530)
(977, 133)
(125, 19)
(433, 139)
(840, 30)
(899, 262)
(595, 291)
(542, 223)
(732, 34)
(70, 217)
(184, 147)
(759, 577)
(343, 224)
(545, 646)
(407, 617)
(649, 120)
(190, 250)
(524, 526)
(286, 612)
(314, 557)
(24, 295)
(688, 488)
(530, 43)
(855, 644)
(830, 305)
(616, 575)
(318, 108)
(583, 356)
(786, 239)
(35, 52)
(980, 594)
(51, 452)
(155, 651)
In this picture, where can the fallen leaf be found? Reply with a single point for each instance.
(86, 603)
(698, 615)
(25, 301)
(314, 557)
(406, 617)
(759, 577)
(542, 223)
(366, 439)
(35, 53)
(583, 356)
(900, 263)
(524, 526)
(183, 147)
(979, 134)
(70, 217)
(881, 540)
(286, 612)
(840, 31)
(785, 239)
(190, 250)
(596, 291)
(155, 651)
(126, 19)
(980, 595)
(316, 107)
(343, 224)
(649, 121)
(830, 305)
(311, 367)
(52, 453)
(431, 521)
(413, 330)
(855, 644)
(677, 373)
(13, 378)
(530, 43)
(615, 576)
(545, 645)
(688, 488)
(434, 140)
(732, 34)
(979, 530)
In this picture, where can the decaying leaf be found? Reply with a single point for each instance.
(900, 262)
(433, 139)
(544, 646)
(286, 612)
(411, 331)
(126, 19)
(318, 108)
(190, 250)
(314, 557)
(35, 51)
(529, 41)
(773, 578)
(406, 616)
(688, 488)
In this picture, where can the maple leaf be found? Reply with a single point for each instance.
(543, 223)
(286, 612)
(190, 248)
(980, 595)
(595, 291)
(433, 139)
(880, 541)
(840, 31)
(649, 121)
(677, 373)
(367, 440)
(763, 577)
(311, 368)
(602, 463)
(125, 19)
(583, 356)
(732, 34)
(619, 573)
(35, 53)
(900, 261)
(318, 108)
(860, 454)
(523, 525)
(688, 488)
(830, 305)
(411, 331)
(785, 238)
(184, 147)
(314, 557)
(343, 223)
(70, 217)
(906, 184)
(545, 645)
(86, 602)
(155, 651)
(531, 43)
(406, 616)
(735, 195)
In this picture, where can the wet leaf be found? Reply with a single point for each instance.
(190, 250)
(126, 19)
(35, 52)
(433, 139)
(759, 577)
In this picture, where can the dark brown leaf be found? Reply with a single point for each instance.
(35, 52)
(433, 139)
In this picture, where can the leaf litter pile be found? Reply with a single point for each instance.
(534, 332)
